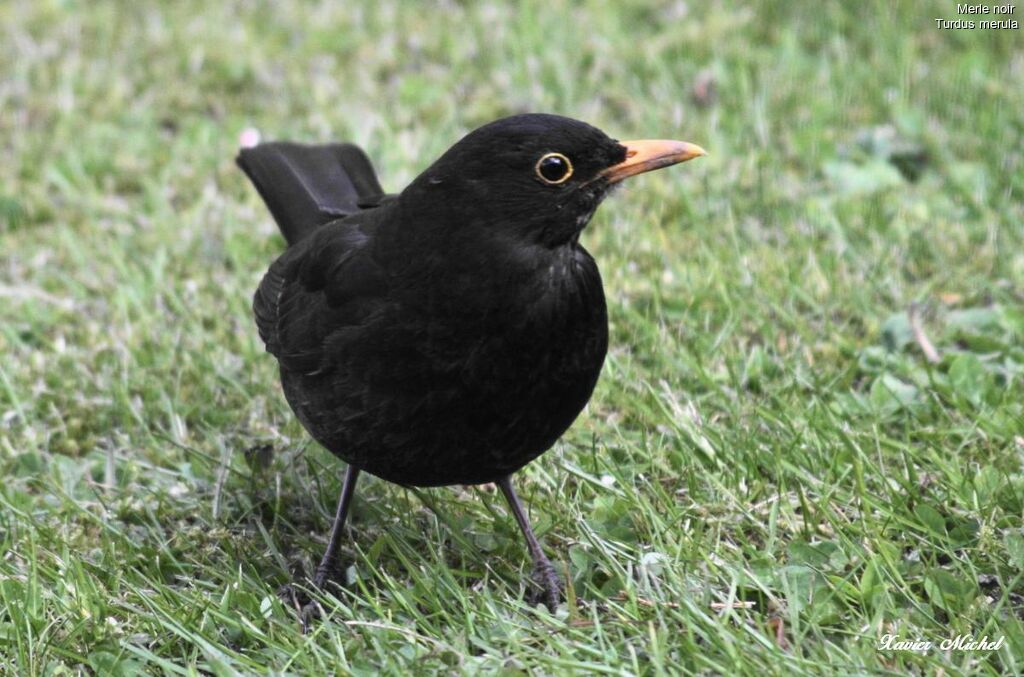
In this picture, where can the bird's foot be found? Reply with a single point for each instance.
(547, 585)
(296, 595)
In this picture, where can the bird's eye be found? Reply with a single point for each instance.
(553, 168)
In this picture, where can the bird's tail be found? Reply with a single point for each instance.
(307, 186)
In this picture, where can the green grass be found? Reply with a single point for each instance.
(770, 476)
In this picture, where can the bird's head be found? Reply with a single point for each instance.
(538, 178)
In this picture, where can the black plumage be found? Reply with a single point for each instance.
(449, 334)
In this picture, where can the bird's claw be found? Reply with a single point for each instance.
(547, 586)
(297, 596)
(327, 576)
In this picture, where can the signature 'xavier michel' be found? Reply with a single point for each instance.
(451, 333)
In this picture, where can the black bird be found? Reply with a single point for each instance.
(451, 333)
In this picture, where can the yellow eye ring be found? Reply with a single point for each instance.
(553, 168)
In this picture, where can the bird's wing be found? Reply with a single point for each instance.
(306, 186)
(327, 283)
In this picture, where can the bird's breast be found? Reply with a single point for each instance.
(538, 347)
(550, 315)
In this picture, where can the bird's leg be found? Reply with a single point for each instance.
(544, 574)
(326, 570)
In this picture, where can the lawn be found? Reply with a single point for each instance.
(809, 431)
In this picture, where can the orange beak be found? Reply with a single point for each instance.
(645, 155)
